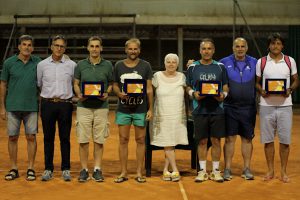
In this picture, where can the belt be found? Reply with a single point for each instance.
(58, 100)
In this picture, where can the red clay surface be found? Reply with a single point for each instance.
(155, 188)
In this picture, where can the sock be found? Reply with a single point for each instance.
(215, 165)
(96, 167)
(202, 164)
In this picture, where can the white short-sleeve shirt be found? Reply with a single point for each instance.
(278, 70)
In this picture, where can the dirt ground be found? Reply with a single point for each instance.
(154, 188)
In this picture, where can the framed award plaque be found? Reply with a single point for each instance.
(209, 88)
(275, 86)
(135, 87)
(92, 89)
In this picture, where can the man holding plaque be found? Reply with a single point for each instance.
(133, 86)
(240, 106)
(55, 77)
(92, 108)
(276, 106)
(207, 85)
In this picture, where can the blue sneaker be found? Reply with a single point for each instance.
(83, 176)
(97, 176)
(66, 175)
(47, 175)
(247, 175)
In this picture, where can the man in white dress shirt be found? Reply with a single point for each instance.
(55, 77)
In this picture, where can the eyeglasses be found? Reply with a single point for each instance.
(59, 46)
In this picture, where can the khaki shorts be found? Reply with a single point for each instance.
(92, 123)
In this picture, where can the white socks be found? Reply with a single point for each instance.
(202, 164)
(96, 167)
(215, 165)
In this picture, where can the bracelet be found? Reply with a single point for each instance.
(191, 93)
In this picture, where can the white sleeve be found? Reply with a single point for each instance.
(183, 79)
(154, 80)
(39, 75)
(258, 69)
(293, 66)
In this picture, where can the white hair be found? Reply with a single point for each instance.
(172, 56)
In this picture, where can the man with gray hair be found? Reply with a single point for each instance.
(55, 77)
(19, 102)
(239, 106)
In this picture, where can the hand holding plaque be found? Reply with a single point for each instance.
(209, 88)
(92, 89)
(275, 86)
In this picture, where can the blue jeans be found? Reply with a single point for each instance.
(15, 118)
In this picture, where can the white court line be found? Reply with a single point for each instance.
(182, 190)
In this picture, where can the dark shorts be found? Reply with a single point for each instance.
(206, 126)
(240, 121)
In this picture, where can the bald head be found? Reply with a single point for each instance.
(240, 48)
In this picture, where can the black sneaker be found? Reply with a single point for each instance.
(97, 176)
(83, 176)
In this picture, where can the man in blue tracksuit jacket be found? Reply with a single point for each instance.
(240, 106)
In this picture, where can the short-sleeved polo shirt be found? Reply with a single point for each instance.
(22, 93)
(85, 71)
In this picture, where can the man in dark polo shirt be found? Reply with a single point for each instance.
(19, 102)
(92, 112)
(208, 112)
(55, 77)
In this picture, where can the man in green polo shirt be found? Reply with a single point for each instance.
(19, 102)
(92, 112)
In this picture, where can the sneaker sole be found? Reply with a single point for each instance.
(66, 179)
(83, 180)
(247, 178)
(99, 180)
(227, 179)
(218, 181)
(167, 179)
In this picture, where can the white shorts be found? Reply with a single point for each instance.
(275, 119)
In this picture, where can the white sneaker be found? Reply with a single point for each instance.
(167, 176)
(216, 176)
(202, 176)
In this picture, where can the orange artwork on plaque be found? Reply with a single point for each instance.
(276, 85)
(136, 88)
(92, 89)
(210, 88)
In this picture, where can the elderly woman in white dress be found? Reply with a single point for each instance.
(169, 118)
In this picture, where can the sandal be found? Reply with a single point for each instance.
(140, 179)
(30, 175)
(12, 174)
(120, 179)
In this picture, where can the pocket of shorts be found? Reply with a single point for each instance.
(107, 132)
(77, 127)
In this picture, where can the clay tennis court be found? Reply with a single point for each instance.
(154, 188)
